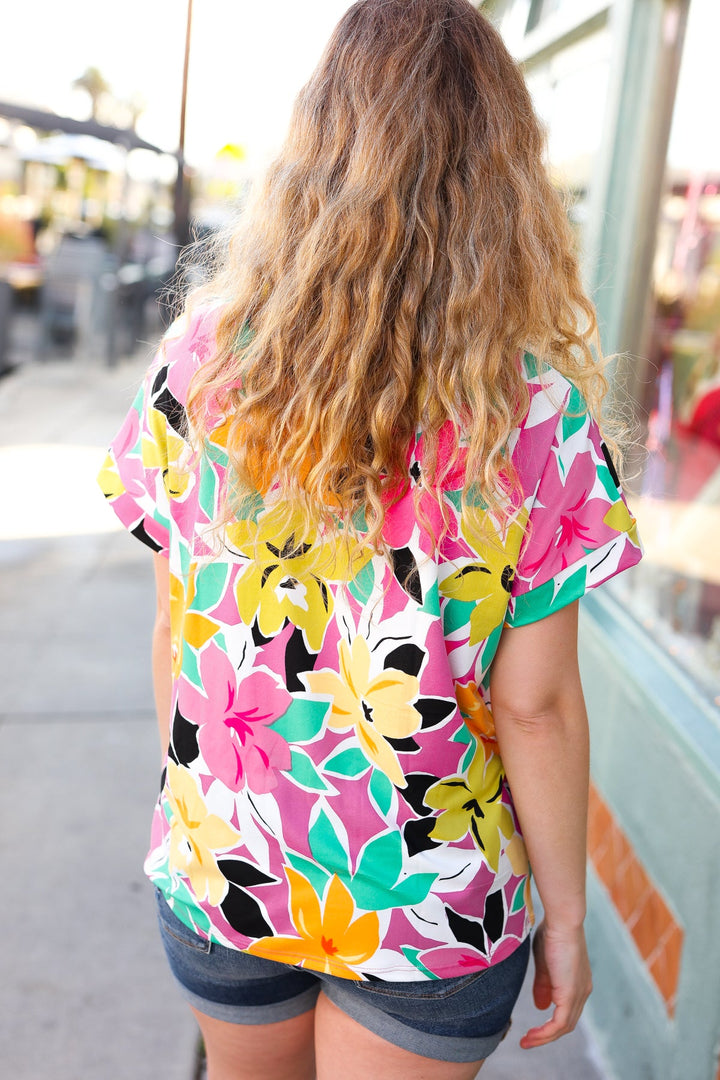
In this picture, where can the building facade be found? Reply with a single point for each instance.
(624, 88)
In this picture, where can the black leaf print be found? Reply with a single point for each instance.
(244, 913)
(467, 930)
(407, 658)
(266, 574)
(414, 793)
(140, 532)
(416, 834)
(243, 873)
(170, 407)
(297, 658)
(405, 570)
(257, 637)
(611, 465)
(184, 739)
(434, 710)
(494, 919)
(403, 746)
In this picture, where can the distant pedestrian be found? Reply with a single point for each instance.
(368, 460)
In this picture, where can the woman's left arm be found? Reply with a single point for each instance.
(161, 651)
(542, 730)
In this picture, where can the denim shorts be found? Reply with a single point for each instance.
(461, 1019)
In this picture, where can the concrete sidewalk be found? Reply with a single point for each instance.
(86, 992)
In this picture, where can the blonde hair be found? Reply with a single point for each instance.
(405, 248)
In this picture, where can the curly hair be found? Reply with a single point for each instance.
(404, 250)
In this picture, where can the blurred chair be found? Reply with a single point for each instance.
(74, 307)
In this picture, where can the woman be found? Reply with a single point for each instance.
(369, 465)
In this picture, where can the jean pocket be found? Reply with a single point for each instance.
(424, 990)
(176, 928)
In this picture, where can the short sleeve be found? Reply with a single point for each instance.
(136, 472)
(580, 531)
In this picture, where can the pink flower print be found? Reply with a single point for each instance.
(463, 959)
(565, 522)
(235, 738)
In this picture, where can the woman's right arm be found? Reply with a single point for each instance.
(161, 651)
(541, 724)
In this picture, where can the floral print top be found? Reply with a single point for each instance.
(334, 796)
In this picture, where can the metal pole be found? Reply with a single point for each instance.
(182, 194)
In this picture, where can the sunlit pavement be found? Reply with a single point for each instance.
(85, 989)
(89, 994)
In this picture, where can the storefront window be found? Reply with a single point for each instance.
(675, 592)
(542, 9)
(570, 91)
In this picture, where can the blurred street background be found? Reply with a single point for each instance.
(118, 147)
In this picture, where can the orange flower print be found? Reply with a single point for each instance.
(477, 716)
(330, 940)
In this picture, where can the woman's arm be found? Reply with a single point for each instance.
(541, 724)
(161, 654)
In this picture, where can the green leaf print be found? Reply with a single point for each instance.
(210, 583)
(463, 735)
(381, 790)
(190, 666)
(363, 583)
(412, 955)
(350, 762)
(572, 424)
(375, 896)
(456, 613)
(412, 890)
(432, 600)
(302, 721)
(207, 490)
(518, 900)
(327, 847)
(303, 773)
(539, 603)
(455, 498)
(381, 860)
(314, 873)
(533, 366)
(607, 481)
(490, 646)
(201, 920)
(468, 756)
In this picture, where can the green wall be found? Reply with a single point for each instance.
(656, 762)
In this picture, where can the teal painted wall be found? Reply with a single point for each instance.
(656, 762)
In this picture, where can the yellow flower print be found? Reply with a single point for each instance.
(165, 450)
(473, 804)
(330, 940)
(486, 583)
(109, 479)
(185, 625)
(517, 854)
(195, 836)
(620, 519)
(378, 708)
(287, 578)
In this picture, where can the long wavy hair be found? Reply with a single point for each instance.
(405, 248)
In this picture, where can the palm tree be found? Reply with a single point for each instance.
(95, 85)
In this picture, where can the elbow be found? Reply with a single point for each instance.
(538, 714)
(162, 621)
(523, 719)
